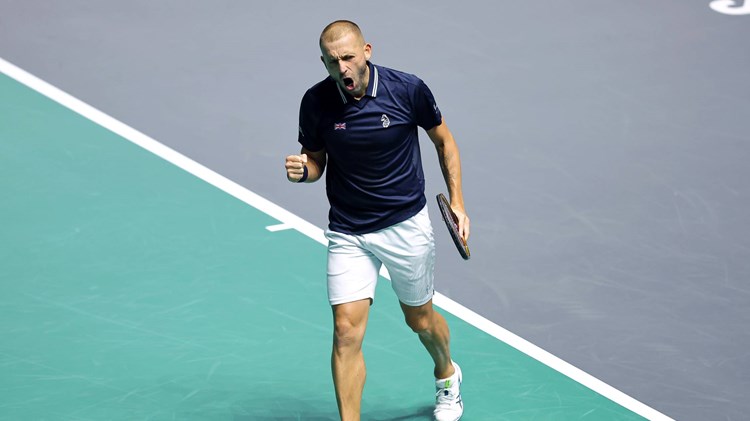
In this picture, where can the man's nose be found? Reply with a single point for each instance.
(342, 67)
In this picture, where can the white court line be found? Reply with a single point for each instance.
(279, 227)
(291, 220)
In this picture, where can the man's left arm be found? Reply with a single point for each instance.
(450, 164)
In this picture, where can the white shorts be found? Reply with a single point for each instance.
(407, 250)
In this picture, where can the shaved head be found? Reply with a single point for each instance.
(340, 28)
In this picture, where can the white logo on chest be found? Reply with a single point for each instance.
(385, 120)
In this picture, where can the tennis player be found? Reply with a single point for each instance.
(361, 123)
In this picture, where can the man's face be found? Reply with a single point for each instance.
(346, 62)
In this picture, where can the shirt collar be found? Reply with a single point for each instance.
(372, 85)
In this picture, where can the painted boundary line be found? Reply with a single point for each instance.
(316, 234)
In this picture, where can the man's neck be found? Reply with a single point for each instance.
(365, 85)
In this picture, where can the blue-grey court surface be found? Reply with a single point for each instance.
(605, 149)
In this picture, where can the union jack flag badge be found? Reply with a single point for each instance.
(339, 126)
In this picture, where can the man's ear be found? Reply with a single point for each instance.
(368, 51)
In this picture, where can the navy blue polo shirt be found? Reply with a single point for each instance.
(374, 176)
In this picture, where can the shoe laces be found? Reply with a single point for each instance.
(446, 397)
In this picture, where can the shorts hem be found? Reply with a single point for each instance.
(419, 303)
(351, 299)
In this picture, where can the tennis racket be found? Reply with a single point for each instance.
(451, 221)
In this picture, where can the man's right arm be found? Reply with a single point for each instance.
(313, 162)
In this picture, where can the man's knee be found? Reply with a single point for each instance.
(349, 324)
(419, 322)
(347, 334)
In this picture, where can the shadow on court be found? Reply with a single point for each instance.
(299, 410)
(424, 413)
(295, 409)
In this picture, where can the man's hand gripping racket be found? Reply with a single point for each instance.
(459, 235)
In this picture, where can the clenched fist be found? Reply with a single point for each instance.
(295, 167)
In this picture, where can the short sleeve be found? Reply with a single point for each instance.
(427, 112)
(307, 134)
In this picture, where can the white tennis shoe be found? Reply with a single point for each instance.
(448, 403)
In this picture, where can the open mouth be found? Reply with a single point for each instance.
(348, 83)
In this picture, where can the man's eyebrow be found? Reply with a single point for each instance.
(341, 57)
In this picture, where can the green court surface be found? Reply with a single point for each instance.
(133, 290)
